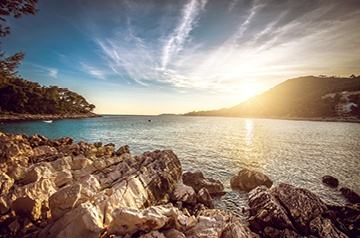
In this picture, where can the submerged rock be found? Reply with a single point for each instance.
(248, 179)
(198, 181)
(330, 181)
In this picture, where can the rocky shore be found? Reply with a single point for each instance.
(42, 117)
(58, 188)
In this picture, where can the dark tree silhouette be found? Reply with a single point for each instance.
(15, 8)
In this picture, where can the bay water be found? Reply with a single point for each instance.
(294, 152)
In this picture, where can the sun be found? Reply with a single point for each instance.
(249, 90)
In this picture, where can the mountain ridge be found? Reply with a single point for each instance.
(301, 97)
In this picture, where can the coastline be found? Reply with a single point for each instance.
(324, 119)
(59, 189)
(14, 117)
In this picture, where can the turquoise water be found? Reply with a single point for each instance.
(295, 152)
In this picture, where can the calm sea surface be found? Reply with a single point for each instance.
(294, 152)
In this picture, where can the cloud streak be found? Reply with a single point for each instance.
(93, 71)
(266, 43)
(175, 42)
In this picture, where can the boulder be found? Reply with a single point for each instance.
(5, 183)
(323, 228)
(346, 218)
(64, 200)
(173, 233)
(132, 220)
(214, 223)
(79, 162)
(27, 207)
(330, 181)
(287, 210)
(44, 150)
(198, 181)
(352, 196)
(248, 179)
(83, 221)
(37, 172)
(266, 211)
(63, 178)
(184, 193)
(204, 197)
(122, 150)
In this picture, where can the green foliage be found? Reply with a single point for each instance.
(9, 65)
(15, 8)
(22, 96)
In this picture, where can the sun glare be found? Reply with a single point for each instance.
(249, 90)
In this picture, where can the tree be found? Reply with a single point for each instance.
(9, 65)
(15, 8)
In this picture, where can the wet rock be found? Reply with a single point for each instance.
(266, 211)
(198, 181)
(352, 196)
(330, 181)
(323, 228)
(271, 232)
(285, 210)
(248, 179)
(301, 204)
(346, 218)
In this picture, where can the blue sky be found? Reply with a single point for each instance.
(167, 56)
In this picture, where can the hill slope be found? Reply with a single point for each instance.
(22, 96)
(298, 97)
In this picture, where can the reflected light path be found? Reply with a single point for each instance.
(249, 127)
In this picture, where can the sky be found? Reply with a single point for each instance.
(148, 57)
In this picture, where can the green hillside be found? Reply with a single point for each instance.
(298, 97)
(21, 96)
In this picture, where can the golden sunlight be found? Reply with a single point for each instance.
(249, 90)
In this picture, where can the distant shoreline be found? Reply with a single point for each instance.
(14, 117)
(320, 119)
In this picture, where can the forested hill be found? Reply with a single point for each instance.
(304, 97)
(21, 96)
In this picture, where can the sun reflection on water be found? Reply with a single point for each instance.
(249, 127)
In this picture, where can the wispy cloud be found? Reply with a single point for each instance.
(46, 71)
(175, 42)
(53, 72)
(93, 71)
(267, 43)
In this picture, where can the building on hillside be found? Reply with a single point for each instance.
(343, 109)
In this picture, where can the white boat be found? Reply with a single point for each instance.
(48, 121)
